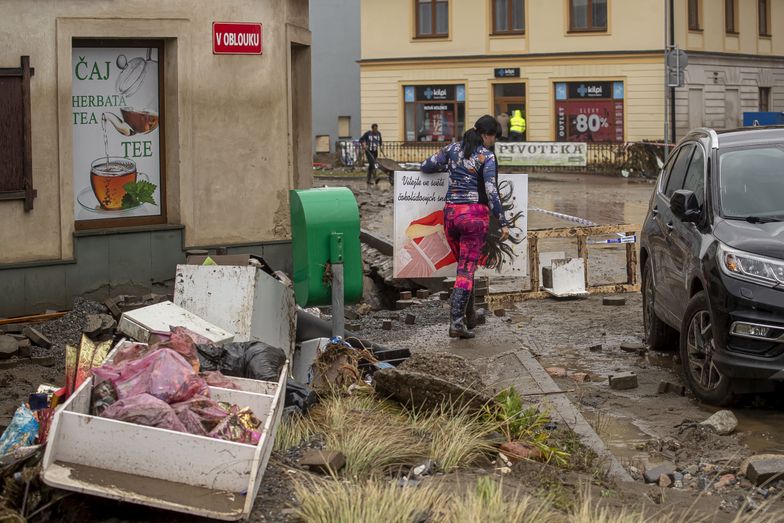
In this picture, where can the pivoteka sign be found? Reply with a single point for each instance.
(541, 154)
(236, 38)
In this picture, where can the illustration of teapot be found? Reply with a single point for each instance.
(133, 120)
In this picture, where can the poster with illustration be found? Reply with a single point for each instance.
(421, 249)
(116, 138)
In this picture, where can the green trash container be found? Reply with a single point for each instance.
(320, 217)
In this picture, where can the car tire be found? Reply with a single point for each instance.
(697, 347)
(658, 335)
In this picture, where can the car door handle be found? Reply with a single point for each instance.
(670, 227)
(655, 212)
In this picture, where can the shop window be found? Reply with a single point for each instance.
(764, 99)
(763, 9)
(118, 161)
(731, 16)
(508, 17)
(509, 97)
(587, 15)
(434, 113)
(432, 18)
(695, 18)
(590, 111)
(344, 127)
(16, 157)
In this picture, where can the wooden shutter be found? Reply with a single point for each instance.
(16, 156)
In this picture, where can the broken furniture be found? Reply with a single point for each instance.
(139, 324)
(161, 468)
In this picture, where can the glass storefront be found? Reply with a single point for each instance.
(589, 111)
(434, 113)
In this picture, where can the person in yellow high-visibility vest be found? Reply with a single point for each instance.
(516, 126)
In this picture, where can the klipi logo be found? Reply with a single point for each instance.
(429, 93)
(582, 90)
(594, 90)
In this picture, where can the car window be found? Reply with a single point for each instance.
(678, 173)
(751, 182)
(695, 176)
(667, 169)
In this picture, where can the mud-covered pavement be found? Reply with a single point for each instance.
(640, 426)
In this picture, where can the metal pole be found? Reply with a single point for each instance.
(672, 89)
(666, 82)
(338, 306)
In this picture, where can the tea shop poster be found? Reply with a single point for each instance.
(421, 249)
(115, 118)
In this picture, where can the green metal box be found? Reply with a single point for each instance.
(319, 217)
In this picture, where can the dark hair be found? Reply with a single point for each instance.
(472, 138)
(375, 125)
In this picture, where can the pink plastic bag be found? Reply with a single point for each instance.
(131, 352)
(144, 409)
(199, 414)
(215, 378)
(163, 373)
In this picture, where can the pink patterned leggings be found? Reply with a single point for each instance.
(466, 227)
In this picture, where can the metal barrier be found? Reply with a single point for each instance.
(642, 158)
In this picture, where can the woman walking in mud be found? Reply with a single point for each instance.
(471, 197)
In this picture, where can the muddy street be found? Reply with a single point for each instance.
(562, 333)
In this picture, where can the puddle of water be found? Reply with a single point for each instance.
(620, 434)
(763, 430)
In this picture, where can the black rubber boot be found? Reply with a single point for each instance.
(457, 326)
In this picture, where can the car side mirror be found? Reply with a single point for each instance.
(684, 206)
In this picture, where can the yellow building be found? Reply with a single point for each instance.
(579, 70)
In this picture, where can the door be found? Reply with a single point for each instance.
(685, 237)
(662, 246)
(509, 97)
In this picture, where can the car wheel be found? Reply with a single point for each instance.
(697, 348)
(658, 335)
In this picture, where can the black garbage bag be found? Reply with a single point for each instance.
(299, 396)
(251, 359)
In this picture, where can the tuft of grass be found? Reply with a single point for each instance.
(369, 502)
(373, 436)
(293, 432)
(457, 437)
(488, 504)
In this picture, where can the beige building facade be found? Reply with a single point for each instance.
(206, 146)
(579, 70)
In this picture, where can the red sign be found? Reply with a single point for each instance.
(589, 121)
(236, 38)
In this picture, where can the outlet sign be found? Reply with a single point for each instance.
(236, 38)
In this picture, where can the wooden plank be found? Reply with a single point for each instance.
(572, 232)
(582, 252)
(631, 262)
(33, 319)
(533, 261)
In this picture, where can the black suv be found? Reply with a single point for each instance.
(712, 261)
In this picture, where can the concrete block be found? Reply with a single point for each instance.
(653, 474)
(422, 294)
(403, 304)
(613, 301)
(623, 381)
(386, 325)
(666, 387)
(327, 461)
(25, 348)
(499, 312)
(12, 328)
(8, 347)
(37, 337)
(405, 295)
(762, 468)
(410, 319)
